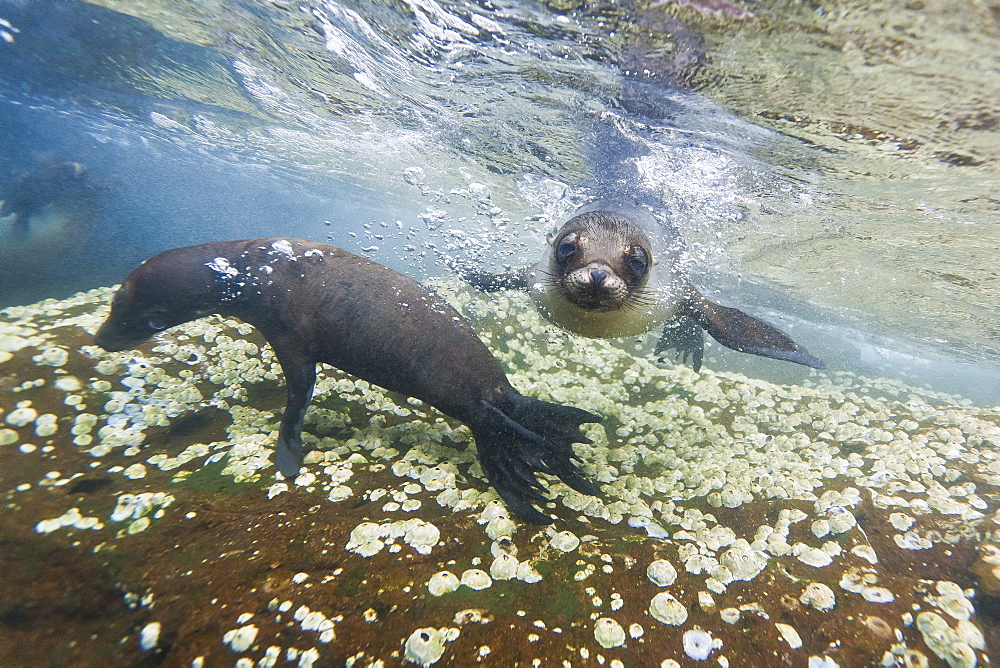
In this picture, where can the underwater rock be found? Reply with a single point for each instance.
(208, 533)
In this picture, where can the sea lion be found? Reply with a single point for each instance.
(54, 183)
(318, 303)
(613, 270)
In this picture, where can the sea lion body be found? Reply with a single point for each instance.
(614, 270)
(318, 303)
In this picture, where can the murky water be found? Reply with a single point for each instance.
(832, 168)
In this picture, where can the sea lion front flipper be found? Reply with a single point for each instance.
(300, 378)
(741, 331)
(683, 335)
(514, 280)
(526, 438)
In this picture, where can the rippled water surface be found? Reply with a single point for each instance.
(839, 158)
(832, 167)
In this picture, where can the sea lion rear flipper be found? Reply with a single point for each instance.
(514, 280)
(300, 377)
(741, 331)
(683, 335)
(528, 438)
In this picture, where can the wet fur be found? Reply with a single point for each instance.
(633, 305)
(317, 303)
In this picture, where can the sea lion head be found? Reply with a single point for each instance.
(164, 291)
(600, 261)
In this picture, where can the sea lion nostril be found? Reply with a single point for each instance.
(597, 277)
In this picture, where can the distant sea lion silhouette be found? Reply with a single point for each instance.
(318, 303)
(53, 183)
(613, 270)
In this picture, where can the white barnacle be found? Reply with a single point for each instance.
(422, 536)
(366, 539)
(866, 552)
(500, 527)
(21, 416)
(744, 562)
(504, 567)
(608, 633)
(425, 646)
(149, 637)
(661, 573)
(475, 578)
(666, 609)
(527, 573)
(697, 644)
(789, 634)
(442, 583)
(564, 541)
(877, 595)
(911, 540)
(730, 615)
(241, 639)
(819, 596)
(815, 557)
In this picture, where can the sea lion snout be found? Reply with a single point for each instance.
(595, 286)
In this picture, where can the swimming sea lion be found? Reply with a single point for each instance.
(318, 303)
(56, 182)
(613, 270)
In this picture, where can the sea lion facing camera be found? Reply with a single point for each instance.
(318, 303)
(613, 270)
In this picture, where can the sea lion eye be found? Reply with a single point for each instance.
(637, 262)
(157, 324)
(565, 250)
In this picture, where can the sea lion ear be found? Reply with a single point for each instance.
(654, 261)
(550, 238)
